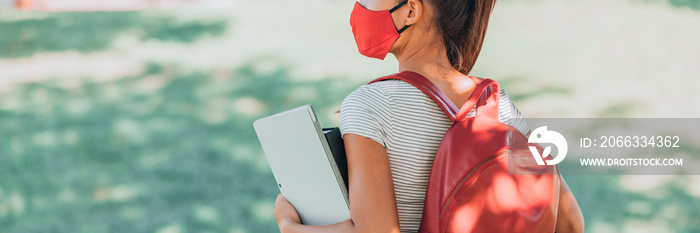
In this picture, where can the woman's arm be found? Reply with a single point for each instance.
(372, 201)
(569, 216)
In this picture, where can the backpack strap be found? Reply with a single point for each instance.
(487, 99)
(423, 84)
(487, 106)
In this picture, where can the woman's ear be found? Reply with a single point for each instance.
(413, 12)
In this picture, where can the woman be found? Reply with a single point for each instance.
(392, 130)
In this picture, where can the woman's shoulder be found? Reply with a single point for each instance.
(385, 87)
(378, 93)
(369, 110)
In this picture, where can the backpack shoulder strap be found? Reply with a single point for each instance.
(486, 100)
(423, 84)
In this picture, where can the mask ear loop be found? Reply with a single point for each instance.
(403, 28)
(396, 8)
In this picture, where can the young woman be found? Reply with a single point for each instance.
(392, 130)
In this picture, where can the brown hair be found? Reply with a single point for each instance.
(462, 24)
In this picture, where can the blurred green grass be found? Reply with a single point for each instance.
(171, 148)
(92, 31)
(109, 157)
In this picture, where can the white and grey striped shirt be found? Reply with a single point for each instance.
(410, 125)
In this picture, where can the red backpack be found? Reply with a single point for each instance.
(470, 189)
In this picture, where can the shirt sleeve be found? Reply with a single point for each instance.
(366, 112)
(511, 115)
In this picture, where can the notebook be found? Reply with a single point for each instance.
(308, 163)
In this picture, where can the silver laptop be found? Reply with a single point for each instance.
(303, 165)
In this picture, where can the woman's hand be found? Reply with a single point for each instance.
(285, 213)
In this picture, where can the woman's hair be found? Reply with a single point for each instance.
(462, 24)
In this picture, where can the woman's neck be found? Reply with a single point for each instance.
(432, 63)
(427, 59)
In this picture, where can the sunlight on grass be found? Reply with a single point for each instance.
(693, 186)
(44, 139)
(248, 106)
(602, 227)
(172, 228)
(252, 157)
(17, 203)
(639, 207)
(237, 230)
(67, 195)
(152, 160)
(264, 210)
(130, 130)
(133, 212)
(206, 214)
(118, 193)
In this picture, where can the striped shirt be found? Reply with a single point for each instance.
(410, 125)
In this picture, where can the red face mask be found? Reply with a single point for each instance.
(374, 31)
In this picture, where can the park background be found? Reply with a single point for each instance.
(141, 120)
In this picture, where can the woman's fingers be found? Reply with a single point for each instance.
(284, 211)
(280, 199)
